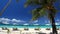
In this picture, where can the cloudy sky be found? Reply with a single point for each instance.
(15, 13)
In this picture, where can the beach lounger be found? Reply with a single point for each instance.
(36, 29)
(57, 28)
(26, 29)
(4, 31)
(48, 29)
(15, 29)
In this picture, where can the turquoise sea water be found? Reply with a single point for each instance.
(27, 26)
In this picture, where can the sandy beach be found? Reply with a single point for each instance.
(27, 31)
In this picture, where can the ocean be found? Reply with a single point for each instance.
(28, 26)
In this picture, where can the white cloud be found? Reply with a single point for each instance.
(57, 20)
(15, 24)
(15, 20)
(7, 21)
(4, 19)
(47, 21)
(55, 23)
(35, 24)
(26, 24)
(35, 21)
(47, 24)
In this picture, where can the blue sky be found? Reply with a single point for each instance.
(15, 13)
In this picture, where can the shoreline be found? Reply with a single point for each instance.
(27, 26)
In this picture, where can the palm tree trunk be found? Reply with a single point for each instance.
(54, 30)
(5, 7)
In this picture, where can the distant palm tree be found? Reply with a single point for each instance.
(46, 8)
(5, 7)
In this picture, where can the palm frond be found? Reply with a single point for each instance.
(34, 2)
(42, 12)
(51, 1)
(53, 10)
(37, 13)
(38, 2)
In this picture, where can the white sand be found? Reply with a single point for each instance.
(22, 31)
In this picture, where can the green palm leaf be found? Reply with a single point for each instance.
(37, 13)
(46, 9)
(34, 2)
(53, 11)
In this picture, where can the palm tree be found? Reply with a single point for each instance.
(46, 8)
(5, 7)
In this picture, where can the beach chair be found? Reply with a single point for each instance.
(15, 29)
(26, 29)
(57, 28)
(37, 29)
(4, 28)
(47, 28)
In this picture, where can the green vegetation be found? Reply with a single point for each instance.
(47, 8)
